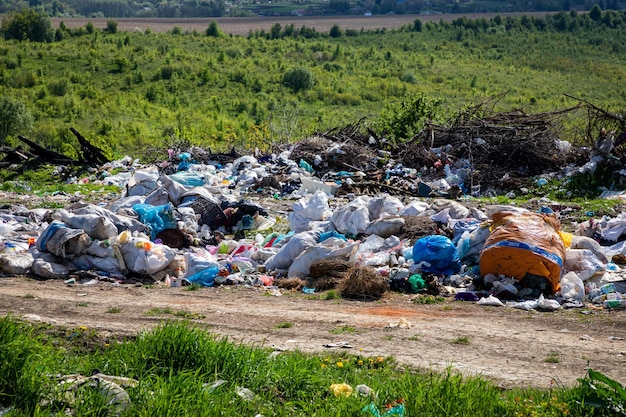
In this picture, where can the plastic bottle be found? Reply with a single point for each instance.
(614, 303)
(607, 288)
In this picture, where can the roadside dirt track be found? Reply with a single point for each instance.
(512, 347)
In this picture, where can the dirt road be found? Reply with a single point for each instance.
(512, 347)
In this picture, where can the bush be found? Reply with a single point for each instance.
(213, 30)
(298, 79)
(28, 24)
(14, 117)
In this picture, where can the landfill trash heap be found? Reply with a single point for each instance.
(293, 220)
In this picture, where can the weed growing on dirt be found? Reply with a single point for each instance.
(284, 325)
(428, 299)
(184, 370)
(189, 315)
(114, 310)
(461, 340)
(553, 357)
(192, 287)
(331, 295)
(29, 296)
(156, 311)
(343, 329)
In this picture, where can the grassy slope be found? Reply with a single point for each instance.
(133, 90)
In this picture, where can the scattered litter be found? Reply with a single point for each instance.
(345, 345)
(341, 389)
(402, 323)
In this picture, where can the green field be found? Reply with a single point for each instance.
(128, 91)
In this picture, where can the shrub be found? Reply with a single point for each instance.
(298, 79)
(14, 117)
(28, 24)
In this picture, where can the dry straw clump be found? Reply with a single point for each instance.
(362, 282)
(326, 273)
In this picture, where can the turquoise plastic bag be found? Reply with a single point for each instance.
(157, 218)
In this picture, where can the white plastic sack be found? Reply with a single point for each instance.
(471, 243)
(490, 301)
(384, 206)
(547, 304)
(572, 287)
(301, 266)
(17, 264)
(385, 227)
(614, 228)
(584, 262)
(292, 249)
(51, 270)
(309, 209)
(524, 305)
(89, 262)
(352, 218)
(96, 227)
(199, 261)
(100, 248)
(142, 182)
(120, 221)
(140, 260)
(414, 208)
(584, 242)
(456, 210)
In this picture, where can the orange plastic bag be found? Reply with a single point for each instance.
(524, 243)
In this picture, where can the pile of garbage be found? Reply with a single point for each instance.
(274, 221)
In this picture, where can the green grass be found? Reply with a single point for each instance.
(343, 329)
(553, 357)
(461, 340)
(331, 295)
(192, 287)
(284, 325)
(428, 299)
(189, 315)
(114, 310)
(176, 364)
(158, 311)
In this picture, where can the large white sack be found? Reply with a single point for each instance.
(352, 218)
(301, 266)
(385, 227)
(96, 227)
(198, 261)
(384, 206)
(456, 210)
(47, 265)
(142, 256)
(414, 208)
(120, 221)
(89, 262)
(17, 264)
(297, 244)
(572, 287)
(584, 262)
(305, 210)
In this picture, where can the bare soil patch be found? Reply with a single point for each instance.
(506, 345)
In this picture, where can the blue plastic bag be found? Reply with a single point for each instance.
(206, 277)
(157, 218)
(438, 255)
